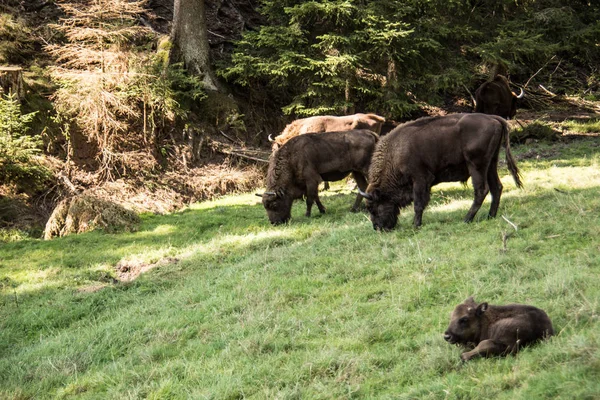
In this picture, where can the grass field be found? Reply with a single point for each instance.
(321, 308)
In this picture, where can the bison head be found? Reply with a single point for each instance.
(384, 211)
(278, 206)
(465, 323)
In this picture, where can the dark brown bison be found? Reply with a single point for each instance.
(328, 123)
(495, 97)
(297, 168)
(496, 330)
(412, 158)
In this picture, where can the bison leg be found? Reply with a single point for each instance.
(312, 196)
(481, 190)
(362, 185)
(421, 196)
(325, 185)
(484, 349)
(495, 187)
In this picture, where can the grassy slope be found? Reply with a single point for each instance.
(322, 308)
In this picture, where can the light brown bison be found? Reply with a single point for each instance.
(297, 168)
(328, 123)
(412, 158)
(495, 97)
(496, 330)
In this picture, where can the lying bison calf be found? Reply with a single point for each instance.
(297, 168)
(496, 330)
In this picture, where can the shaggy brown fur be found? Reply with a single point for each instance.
(297, 168)
(496, 330)
(328, 123)
(495, 97)
(412, 158)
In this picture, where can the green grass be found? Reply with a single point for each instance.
(321, 308)
(589, 126)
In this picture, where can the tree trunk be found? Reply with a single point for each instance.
(11, 81)
(189, 37)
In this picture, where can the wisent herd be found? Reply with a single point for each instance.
(398, 169)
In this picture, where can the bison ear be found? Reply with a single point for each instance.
(481, 309)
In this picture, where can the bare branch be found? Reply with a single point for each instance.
(510, 223)
(539, 70)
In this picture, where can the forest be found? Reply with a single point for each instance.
(137, 262)
(109, 94)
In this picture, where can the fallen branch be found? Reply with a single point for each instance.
(67, 183)
(510, 223)
(519, 122)
(223, 133)
(539, 70)
(472, 98)
(224, 148)
(234, 153)
(216, 34)
(547, 91)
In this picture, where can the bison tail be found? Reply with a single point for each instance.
(510, 161)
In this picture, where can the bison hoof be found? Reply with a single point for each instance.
(465, 357)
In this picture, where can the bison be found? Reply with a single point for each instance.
(297, 168)
(413, 157)
(495, 97)
(328, 123)
(496, 330)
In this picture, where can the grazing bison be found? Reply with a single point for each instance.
(328, 123)
(496, 330)
(412, 158)
(495, 97)
(297, 168)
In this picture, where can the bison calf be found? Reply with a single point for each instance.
(496, 330)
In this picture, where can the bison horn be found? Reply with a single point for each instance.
(271, 139)
(258, 194)
(367, 196)
(520, 96)
(271, 193)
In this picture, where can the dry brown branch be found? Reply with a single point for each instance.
(510, 223)
(239, 152)
(232, 140)
(470, 94)
(62, 177)
(547, 91)
(539, 70)
(234, 153)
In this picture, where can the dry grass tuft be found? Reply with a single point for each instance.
(84, 213)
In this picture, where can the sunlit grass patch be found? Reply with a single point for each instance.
(322, 307)
(588, 126)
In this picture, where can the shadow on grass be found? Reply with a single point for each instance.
(223, 229)
(215, 236)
